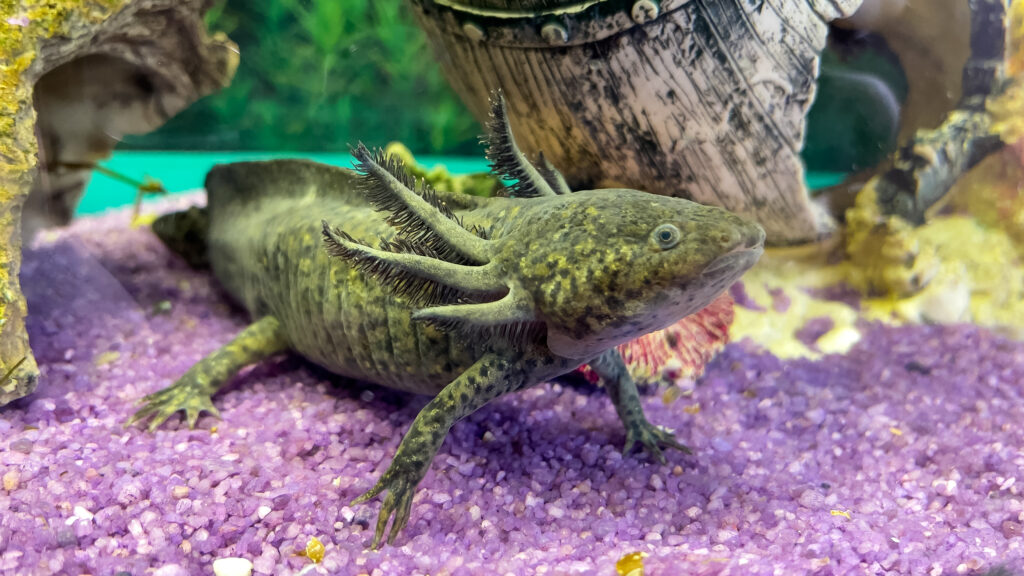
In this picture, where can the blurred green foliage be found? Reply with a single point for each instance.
(318, 75)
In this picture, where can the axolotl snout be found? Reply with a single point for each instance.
(460, 297)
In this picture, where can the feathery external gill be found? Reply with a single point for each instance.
(415, 272)
(551, 175)
(415, 211)
(506, 159)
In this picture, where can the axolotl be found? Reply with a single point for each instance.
(378, 277)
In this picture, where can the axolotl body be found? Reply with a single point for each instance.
(376, 277)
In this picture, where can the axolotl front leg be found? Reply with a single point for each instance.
(624, 396)
(491, 376)
(192, 392)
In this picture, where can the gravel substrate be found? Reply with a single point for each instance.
(901, 457)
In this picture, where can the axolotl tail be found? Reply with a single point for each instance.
(239, 188)
(185, 234)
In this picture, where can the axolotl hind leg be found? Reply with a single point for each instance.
(622, 391)
(191, 393)
(490, 377)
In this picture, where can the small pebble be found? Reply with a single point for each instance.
(171, 570)
(232, 567)
(11, 480)
(82, 513)
(315, 550)
(945, 487)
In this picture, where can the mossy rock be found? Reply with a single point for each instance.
(94, 70)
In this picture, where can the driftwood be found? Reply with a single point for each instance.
(694, 98)
(95, 71)
(926, 168)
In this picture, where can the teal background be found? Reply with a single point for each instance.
(185, 171)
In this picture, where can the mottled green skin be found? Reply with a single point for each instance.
(584, 264)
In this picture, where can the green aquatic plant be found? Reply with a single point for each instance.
(318, 74)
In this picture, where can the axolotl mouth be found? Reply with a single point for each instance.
(731, 265)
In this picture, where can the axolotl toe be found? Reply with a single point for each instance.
(377, 277)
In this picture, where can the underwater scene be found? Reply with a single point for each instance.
(511, 287)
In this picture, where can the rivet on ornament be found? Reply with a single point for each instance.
(473, 31)
(644, 11)
(554, 33)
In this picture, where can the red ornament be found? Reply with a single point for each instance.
(680, 351)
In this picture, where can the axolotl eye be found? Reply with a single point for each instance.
(666, 236)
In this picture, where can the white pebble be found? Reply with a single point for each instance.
(82, 514)
(945, 487)
(232, 567)
(811, 499)
(555, 512)
(262, 511)
(347, 514)
(474, 513)
(135, 528)
(725, 535)
(815, 415)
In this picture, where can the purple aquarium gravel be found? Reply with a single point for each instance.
(901, 457)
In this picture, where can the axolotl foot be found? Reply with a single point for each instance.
(400, 486)
(651, 438)
(192, 392)
(186, 394)
(622, 391)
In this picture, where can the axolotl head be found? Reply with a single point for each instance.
(590, 270)
(605, 266)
